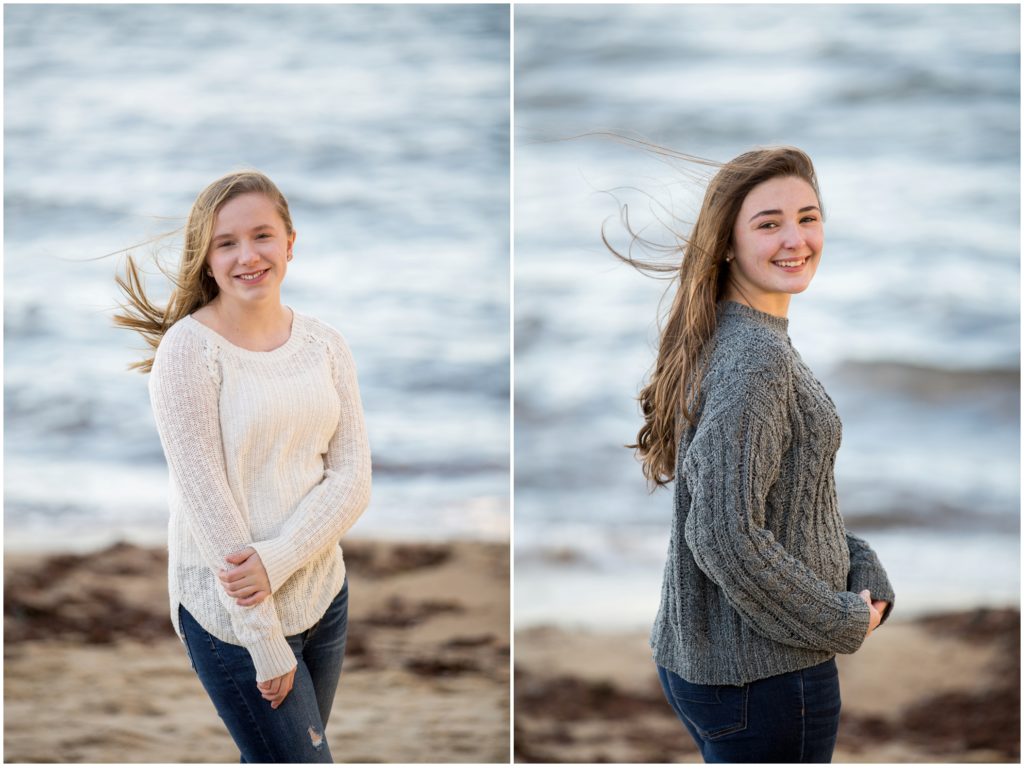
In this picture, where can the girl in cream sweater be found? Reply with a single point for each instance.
(258, 411)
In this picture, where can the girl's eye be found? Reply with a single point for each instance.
(225, 244)
(262, 236)
(769, 224)
(810, 218)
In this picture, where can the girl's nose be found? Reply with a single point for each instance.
(248, 251)
(793, 236)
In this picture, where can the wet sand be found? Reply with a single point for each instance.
(940, 689)
(92, 664)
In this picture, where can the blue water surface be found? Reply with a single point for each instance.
(387, 127)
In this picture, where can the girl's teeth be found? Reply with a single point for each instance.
(252, 276)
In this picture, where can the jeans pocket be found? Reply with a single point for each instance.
(715, 710)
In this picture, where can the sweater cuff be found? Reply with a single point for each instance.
(869, 577)
(279, 558)
(272, 657)
(850, 638)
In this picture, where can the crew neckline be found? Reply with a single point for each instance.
(774, 322)
(284, 348)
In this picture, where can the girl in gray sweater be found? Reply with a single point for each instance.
(762, 585)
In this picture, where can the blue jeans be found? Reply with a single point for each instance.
(295, 731)
(789, 718)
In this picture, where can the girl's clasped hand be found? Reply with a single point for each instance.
(877, 610)
(276, 689)
(247, 582)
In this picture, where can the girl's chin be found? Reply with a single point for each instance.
(798, 286)
(254, 293)
(794, 284)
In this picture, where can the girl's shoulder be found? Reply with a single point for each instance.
(186, 351)
(746, 365)
(181, 338)
(332, 340)
(743, 350)
(317, 326)
(322, 331)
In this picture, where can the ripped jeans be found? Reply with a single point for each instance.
(295, 731)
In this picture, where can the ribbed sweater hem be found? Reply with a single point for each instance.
(701, 673)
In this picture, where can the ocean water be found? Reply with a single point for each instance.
(912, 116)
(387, 129)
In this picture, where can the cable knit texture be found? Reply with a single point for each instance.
(761, 577)
(265, 449)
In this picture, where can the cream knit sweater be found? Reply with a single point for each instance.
(264, 449)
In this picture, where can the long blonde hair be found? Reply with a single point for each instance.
(193, 287)
(671, 396)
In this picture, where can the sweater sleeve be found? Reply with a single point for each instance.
(332, 507)
(185, 399)
(867, 573)
(731, 464)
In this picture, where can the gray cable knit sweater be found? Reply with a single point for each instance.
(761, 577)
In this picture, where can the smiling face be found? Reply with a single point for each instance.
(776, 244)
(249, 237)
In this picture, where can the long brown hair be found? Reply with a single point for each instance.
(670, 398)
(193, 287)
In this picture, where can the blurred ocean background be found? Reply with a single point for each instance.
(387, 129)
(912, 116)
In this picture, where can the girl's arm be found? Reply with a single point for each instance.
(184, 392)
(332, 507)
(732, 462)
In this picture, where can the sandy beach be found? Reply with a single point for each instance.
(944, 688)
(92, 664)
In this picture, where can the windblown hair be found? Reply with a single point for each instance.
(193, 286)
(671, 396)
